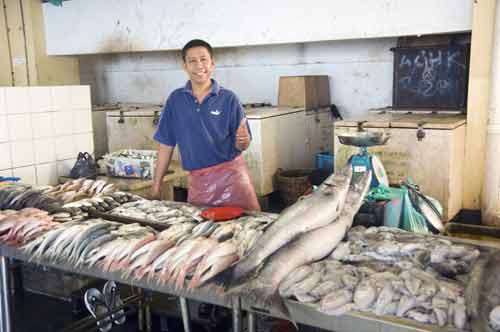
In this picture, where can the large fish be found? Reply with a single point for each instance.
(314, 211)
(483, 291)
(309, 247)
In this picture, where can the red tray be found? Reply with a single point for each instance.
(222, 213)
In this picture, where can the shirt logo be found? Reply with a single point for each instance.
(216, 112)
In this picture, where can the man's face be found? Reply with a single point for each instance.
(199, 65)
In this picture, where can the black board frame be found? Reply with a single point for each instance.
(460, 103)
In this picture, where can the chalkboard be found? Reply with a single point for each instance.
(431, 77)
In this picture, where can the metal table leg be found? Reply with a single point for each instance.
(236, 315)
(251, 321)
(140, 310)
(5, 309)
(186, 320)
(147, 310)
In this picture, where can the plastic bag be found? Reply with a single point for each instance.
(226, 184)
(85, 167)
(380, 193)
(412, 220)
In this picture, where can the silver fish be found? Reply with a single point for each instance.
(309, 247)
(315, 211)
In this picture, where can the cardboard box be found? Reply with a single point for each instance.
(310, 92)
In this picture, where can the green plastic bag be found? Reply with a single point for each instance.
(412, 220)
(380, 193)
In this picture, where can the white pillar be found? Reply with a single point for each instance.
(491, 186)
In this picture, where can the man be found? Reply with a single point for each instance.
(208, 124)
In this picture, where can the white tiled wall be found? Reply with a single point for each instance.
(42, 129)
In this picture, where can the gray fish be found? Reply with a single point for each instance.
(335, 300)
(385, 297)
(483, 291)
(495, 318)
(316, 210)
(364, 295)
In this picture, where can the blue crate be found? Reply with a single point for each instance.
(325, 161)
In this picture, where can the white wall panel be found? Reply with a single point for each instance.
(94, 26)
(360, 72)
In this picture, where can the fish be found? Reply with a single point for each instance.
(483, 291)
(314, 211)
(307, 248)
(219, 258)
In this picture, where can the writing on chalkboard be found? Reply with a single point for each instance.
(430, 77)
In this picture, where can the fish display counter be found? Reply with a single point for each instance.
(306, 264)
(300, 312)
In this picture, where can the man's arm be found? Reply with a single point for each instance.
(162, 163)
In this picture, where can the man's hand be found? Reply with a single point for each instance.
(242, 136)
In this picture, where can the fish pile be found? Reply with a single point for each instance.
(80, 243)
(20, 227)
(195, 251)
(164, 213)
(80, 210)
(406, 250)
(389, 272)
(19, 196)
(78, 189)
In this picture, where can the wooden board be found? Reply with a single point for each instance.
(482, 41)
(17, 42)
(6, 78)
(435, 163)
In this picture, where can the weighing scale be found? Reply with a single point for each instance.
(363, 161)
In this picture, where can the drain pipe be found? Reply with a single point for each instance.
(490, 209)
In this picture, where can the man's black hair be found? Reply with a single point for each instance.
(196, 43)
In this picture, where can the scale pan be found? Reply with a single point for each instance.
(364, 138)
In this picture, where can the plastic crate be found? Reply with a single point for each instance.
(325, 161)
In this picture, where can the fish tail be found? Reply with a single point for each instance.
(265, 296)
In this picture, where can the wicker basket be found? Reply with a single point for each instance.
(292, 184)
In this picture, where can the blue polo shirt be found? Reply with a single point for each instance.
(206, 132)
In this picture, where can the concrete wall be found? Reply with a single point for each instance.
(360, 72)
(96, 26)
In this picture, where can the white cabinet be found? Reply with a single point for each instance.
(286, 138)
(434, 162)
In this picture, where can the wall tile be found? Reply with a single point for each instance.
(45, 150)
(82, 121)
(3, 107)
(5, 156)
(27, 174)
(43, 125)
(20, 127)
(65, 166)
(63, 123)
(80, 97)
(46, 174)
(6, 173)
(84, 143)
(4, 132)
(65, 148)
(17, 100)
(41, 99)
(61, 98)
(22, 153)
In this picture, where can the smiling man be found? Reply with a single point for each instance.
(208, 124)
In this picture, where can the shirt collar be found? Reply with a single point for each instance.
(214, 89)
